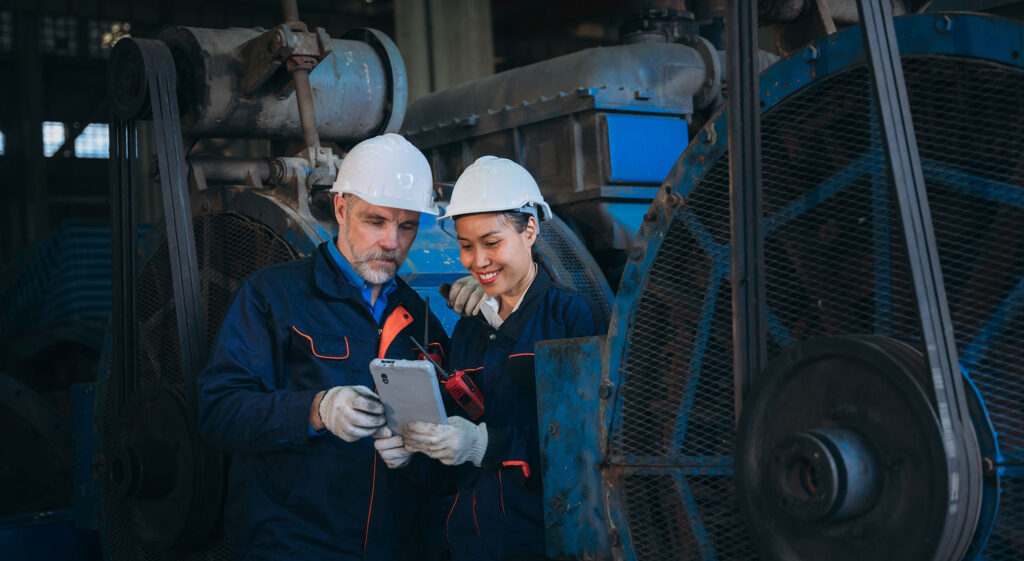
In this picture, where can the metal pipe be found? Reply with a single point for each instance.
(748, 292)
(291, 11)
(350, 88)
(230, 170)
(300, 77)
(307, 111)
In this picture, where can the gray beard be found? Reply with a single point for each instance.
(373, 274)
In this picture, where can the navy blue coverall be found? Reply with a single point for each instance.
(293, 330)
(498, 511)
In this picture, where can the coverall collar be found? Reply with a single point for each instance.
(331, 279)
(517, 320)
(490, 305)
(377, 307)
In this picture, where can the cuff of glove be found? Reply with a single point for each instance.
(476, 453)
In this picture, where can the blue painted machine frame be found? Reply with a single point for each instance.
(583, 503)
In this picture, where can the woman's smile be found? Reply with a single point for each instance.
(488, 277)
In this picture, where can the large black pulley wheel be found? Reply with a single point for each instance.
(166, 481)
(839, 454)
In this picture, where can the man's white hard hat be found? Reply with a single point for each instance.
(388, 171)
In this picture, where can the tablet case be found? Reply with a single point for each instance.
(409, 391)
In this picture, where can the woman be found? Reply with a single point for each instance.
(498, 511)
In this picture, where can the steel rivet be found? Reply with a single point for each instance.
(605, 391)
(553, 429)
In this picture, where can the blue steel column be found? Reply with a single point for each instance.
(748, 294)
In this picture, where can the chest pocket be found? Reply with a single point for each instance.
(519, 369)
(327, 347)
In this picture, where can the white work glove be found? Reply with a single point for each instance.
(351, 412)
(391, 448)
(465, 296)
(458, 442)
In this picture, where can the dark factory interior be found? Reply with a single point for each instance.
(798, 224)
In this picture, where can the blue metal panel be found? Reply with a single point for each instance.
(628, 216)
(643, 149)
(47, 535)
(568, 380)
(433, 260)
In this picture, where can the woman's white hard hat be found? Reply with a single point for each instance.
(388, 171)
(493, 184)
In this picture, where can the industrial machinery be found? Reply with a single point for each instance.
(838, 452)
(224, 218)
(841, 450)
(599, 129)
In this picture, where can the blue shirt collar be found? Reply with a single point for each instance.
(365, 288)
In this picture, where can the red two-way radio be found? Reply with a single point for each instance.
(459, 386)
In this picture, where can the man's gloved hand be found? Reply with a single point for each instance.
(465, 296)
(458, 442)
(391, 448)
(351, 412)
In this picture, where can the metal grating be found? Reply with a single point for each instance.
(573, 267)
(230, 247)
(670, 517)
(835, 265)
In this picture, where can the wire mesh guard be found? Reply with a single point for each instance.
(572, 266)
(835, 264)
(230, 247)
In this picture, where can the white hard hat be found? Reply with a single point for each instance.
(493, 184)
(388, 171)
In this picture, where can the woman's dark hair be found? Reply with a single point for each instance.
(517, 220)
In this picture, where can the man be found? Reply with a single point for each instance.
(287, 388)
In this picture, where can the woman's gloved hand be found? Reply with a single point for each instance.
(465, 296)
(391, 448)
(350, 412)
(458, 442)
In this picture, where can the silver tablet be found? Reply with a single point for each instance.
(409, 391)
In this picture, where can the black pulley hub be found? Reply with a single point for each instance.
(840, 455)
(166, 481)
(825, 474)
(127, 82)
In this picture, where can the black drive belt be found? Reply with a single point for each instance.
(140, 67)
(164, 486)
(959, 440)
